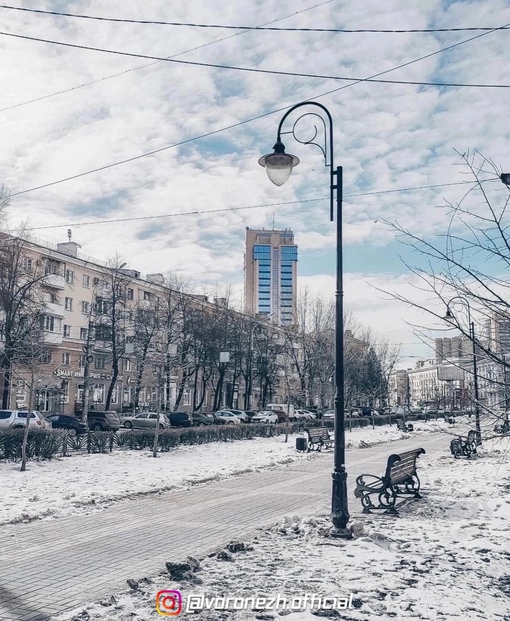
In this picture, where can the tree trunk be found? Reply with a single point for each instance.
(6, 389)
(115, 368)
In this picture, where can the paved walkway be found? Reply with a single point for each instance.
(50, 566)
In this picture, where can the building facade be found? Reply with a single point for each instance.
(270, 275)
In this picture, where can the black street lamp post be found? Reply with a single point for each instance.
(472, 337)
(279, 167)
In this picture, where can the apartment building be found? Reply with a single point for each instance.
(71, 292)
(270, 275)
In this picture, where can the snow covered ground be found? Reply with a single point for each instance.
(446, 557)
(85, 482)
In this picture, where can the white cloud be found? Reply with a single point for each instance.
(386, 136)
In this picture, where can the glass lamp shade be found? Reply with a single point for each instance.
(279, 166)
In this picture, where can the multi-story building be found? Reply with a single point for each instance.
(71, 303)
(398, 388)
(448, 349)
(270, 275)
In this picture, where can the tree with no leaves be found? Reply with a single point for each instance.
(469, 261)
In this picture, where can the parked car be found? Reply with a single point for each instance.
(17, 419)
(300, 415)
(309, 415)
(103, 421)
(242, 415)
(69, 423)
(250, 414)
(201, 420)
(226, 417)
(180, 419)
(146, 420)
(328, 415)
(266, 416)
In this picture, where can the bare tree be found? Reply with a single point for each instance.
(21, 301)
(469, 262)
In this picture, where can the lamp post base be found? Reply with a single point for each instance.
(339, 511)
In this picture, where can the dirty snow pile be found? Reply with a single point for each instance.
(445, 557)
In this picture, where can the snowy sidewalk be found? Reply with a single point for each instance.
(53, 565)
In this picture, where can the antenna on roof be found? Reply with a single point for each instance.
(273, 221)
(69, 234)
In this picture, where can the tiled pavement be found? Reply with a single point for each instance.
(49, 566)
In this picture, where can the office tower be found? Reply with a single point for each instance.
(270, 275)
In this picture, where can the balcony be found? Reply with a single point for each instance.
(50, 308)
(52, 338)
(55, 281)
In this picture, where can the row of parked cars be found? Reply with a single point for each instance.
(112, 421)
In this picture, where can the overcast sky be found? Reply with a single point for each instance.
(68, 111)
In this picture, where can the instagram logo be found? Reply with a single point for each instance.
(168, 603)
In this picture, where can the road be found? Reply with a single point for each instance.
(49, 566)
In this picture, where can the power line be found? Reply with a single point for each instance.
(263, 71)
(245, 121)
(232, 209)
(117, 75)
(230, 27)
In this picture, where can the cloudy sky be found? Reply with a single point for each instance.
(96, 141)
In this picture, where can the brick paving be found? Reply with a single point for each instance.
(49, 566)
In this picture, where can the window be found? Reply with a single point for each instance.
(67, 331)
(130, 294)
(101, 305)
(86, 281)
(45, 357)
(50, 323)
(85, 307)
(84, 334)
(69, 304)
(115, 392)
(146, 295)
(27, 264)
(100, 362)
(186, 398)
(66, 358)
(52, 267)
(98, 393)
(65, 391)
(70, 276)
(128, 365)
(82, 361)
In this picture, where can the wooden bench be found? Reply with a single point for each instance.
(402, 426)
(399, 480)
(318, 439)
(465, 447)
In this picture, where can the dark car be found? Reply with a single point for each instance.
(250, 414)
(202, 419)
(180, 419)
(103, 421)
(70, 423)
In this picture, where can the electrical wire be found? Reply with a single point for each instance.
(232, 209)
(240, 123)
(264, 71)
(230, 27)
(157, 62)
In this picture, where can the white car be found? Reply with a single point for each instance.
(306, 414)
(17, 419)
(226, 417)
(266, 416)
